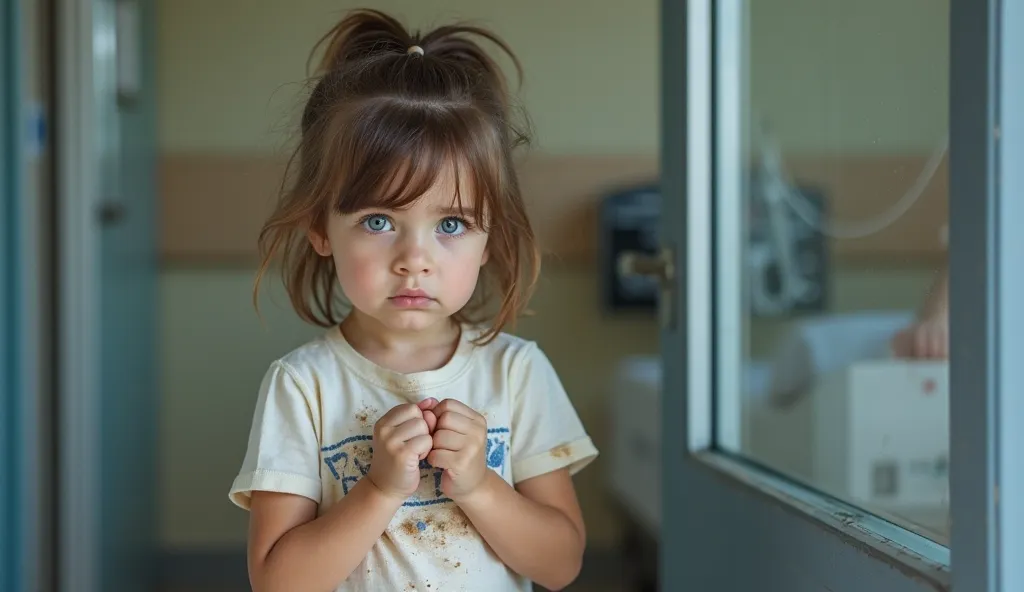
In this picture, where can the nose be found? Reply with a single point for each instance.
(413, 258)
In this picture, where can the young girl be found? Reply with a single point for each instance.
(413, 446)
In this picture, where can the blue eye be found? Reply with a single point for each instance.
(452, 226)
(376, 223)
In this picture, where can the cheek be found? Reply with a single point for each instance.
(359, 269)
(464, 277)
(461, 275)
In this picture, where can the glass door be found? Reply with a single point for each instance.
(842, 212)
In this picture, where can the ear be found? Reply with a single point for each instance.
(321, 245)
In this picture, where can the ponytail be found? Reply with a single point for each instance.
(367, 33)
(360, 35)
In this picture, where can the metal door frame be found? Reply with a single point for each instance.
(21, 317)
(79, 271)
(10, 183)
(724, 520)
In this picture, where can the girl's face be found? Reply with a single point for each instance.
(408, 269)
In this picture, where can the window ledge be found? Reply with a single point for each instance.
(906, 551)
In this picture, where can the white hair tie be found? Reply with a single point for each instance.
(414, 49)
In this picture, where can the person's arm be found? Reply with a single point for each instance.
(291, 549)
(535, 528)
(928, 336)
(537, 531)
(936, 304)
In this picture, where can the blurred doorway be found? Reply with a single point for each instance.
(107, 300)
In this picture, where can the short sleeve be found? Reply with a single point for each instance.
(547, 434)
(283, 453)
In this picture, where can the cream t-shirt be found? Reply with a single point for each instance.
(312, 431)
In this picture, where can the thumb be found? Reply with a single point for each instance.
(431, 419)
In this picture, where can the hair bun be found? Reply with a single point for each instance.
(367, 33)
(360, 35)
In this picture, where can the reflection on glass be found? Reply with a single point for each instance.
(831, 216)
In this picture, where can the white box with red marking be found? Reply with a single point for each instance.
(881, 433)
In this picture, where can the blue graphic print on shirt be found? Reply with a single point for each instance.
(349, 461)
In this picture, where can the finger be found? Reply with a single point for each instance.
(451, 405)
(924, 343)
(449, 440)
(399, 415)
(426, 404)
(442, 459)
(935, 344)
(940, 340)
(419, 446)
(409, 430)
(431, 420)
(456, 422)
(899, 345)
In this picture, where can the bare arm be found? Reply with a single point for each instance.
(291, 549)
(537, 531)
(937, 302)
(928, 336)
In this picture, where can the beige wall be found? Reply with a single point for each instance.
(230, 70)
(229, 76)
(828, 76)
(851, 77)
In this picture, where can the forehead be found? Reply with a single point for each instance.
(452, 189)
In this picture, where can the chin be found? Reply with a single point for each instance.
(412, 320)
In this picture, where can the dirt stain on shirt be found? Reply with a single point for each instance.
(367, 416)
(563, 451)
(437, 527)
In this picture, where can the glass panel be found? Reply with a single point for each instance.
(831, 208)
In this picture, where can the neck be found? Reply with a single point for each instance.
(365, 333)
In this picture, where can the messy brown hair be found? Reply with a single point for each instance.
(388, 111)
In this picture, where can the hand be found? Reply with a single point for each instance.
(459, 447)
(401, 439)
(925, 339)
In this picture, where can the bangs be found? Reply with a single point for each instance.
(393, 152)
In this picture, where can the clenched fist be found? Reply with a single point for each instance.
(401, 439)
(459, 447)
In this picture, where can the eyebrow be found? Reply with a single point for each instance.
(456, 211)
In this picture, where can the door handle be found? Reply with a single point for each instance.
(111, 213)
(661, 267)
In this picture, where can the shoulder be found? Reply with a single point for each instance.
(514, 356)
(308, 363)
(506, 348)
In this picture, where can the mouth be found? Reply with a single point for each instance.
(411, 299)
